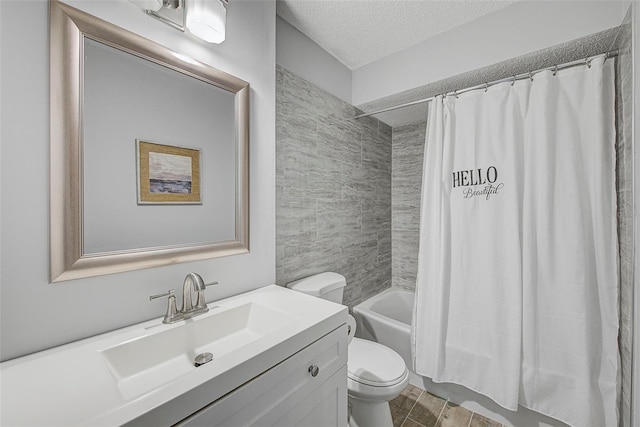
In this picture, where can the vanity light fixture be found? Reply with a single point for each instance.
(205, 19)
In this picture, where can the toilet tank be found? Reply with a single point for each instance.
(329, 286)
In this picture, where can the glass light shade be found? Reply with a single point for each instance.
(207, 19)
(154, 5)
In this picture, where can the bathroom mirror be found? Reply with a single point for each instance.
(149, 152)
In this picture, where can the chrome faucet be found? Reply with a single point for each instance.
(193, 282)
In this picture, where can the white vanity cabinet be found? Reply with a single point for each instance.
(288, 394)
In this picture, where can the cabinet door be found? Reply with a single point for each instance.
(324, 407)
(269, 398)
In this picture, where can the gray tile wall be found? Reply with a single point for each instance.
(624, 182)
(406, 185)
(333, 190)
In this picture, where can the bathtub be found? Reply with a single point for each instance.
(386, 318)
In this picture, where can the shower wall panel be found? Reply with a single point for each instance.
(333, 190)
(625, 214)
(406, 184)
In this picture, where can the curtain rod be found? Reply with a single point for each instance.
(530, 74)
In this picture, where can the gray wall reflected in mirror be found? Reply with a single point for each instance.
(125, 98)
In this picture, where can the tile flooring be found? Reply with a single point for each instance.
(416, 407)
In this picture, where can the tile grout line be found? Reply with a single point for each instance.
(441, 411)
(415, 402)
(471, 419)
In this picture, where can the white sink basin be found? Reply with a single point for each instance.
(143, 364)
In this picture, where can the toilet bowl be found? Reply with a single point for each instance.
(376, 373)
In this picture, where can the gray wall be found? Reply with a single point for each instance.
(302, 56)
(624, 152)
(35, 314)
(499, 36)
(333, 190)
(126, 98)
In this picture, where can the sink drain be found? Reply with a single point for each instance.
(203, 358)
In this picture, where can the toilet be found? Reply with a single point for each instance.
(376, 373)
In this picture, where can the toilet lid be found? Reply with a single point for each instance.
(374, 364)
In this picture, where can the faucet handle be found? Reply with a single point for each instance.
(169, 294)
(172, 314)
(200, 302)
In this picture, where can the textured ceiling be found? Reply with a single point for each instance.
(358, 32)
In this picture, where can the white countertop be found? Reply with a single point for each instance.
(72, 385)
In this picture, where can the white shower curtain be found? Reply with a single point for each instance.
(516, 295)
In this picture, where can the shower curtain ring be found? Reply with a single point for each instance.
(513, 80)
(486, 87)
(587, 62)
(531, 75)
(555, 70)
(455, 93)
